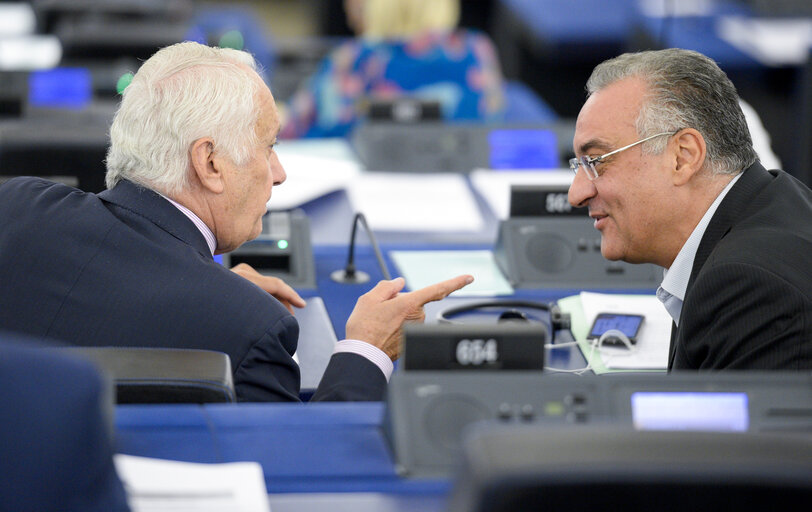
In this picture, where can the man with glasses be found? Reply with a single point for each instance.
(665, 164)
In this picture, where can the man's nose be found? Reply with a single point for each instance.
(277, 171)
(581, 190)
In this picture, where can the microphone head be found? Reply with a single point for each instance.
(344, 277)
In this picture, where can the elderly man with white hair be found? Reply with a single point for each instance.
(191, 167)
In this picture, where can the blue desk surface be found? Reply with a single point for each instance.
(325, 447)
(311, 448)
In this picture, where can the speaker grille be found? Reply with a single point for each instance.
(549, 253)
(447, 416)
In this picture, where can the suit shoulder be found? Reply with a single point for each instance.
(763, 254)
(27, 189)
(242, 296)
(763, 246)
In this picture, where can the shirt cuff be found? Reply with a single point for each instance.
(368, 351)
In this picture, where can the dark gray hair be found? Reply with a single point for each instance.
(685, 90)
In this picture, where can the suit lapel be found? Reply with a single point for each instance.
(672, 348)
(740, 196)
(162, 213)
(738, 199)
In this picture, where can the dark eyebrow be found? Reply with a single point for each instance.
(594, 144)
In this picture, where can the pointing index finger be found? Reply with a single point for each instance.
(440, 290)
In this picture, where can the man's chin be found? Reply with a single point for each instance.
(610, 253)
(257, 229)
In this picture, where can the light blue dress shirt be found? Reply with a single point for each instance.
(675, 279)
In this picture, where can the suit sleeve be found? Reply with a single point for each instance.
(741, 316)
(268, 372)
(351, 377)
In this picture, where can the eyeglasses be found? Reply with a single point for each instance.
(588, 162)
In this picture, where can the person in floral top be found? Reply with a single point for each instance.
(407, 48)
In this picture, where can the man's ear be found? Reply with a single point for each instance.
(690, 155)
(206, 166)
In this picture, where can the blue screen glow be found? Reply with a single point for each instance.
(523, 149)
(727, 412)
(60, 88)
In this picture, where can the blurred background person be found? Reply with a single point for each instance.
(404, 48)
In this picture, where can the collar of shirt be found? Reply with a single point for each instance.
(675, 279)
(201, 226)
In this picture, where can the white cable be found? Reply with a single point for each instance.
(561, 345)
(596, 343)
(614, 333)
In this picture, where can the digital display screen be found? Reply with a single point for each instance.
(627, 324)
(60, 88)
(706, 411)
(523, 149)
(476, 352)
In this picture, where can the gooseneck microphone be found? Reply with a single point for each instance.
(349, 274)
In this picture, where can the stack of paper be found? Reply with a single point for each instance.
(157, 485)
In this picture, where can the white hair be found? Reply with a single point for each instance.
(183, 93)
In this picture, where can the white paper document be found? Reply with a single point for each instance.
(157, 485)
(772, 42)
(651, 350)
(416, 202)
(494, 186)
(310, 177)
(422, 268)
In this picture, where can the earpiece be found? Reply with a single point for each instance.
(558, 319)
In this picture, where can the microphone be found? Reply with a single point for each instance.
(349, 274)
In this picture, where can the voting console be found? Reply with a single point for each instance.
(547, 243)
(283, 249)
(428, 412)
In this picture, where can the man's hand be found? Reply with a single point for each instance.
(379, 314)
(273, 285)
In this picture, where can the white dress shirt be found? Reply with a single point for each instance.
(372, 353)
(675, 279)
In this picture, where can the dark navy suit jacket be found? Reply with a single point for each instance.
(127, 268)
(56, 439)
(748, 304)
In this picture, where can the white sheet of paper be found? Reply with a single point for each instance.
(415, 202)
(422, 268)
(28, 52)
(158, 485)
(16, 19)
(653, 341)
(310, 177)
(333, 148)
(773, 42)
(494, 186)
